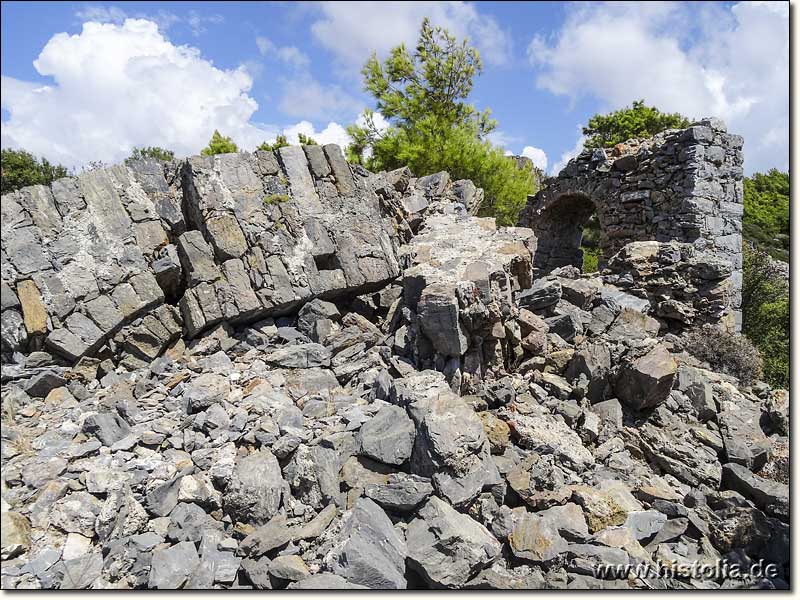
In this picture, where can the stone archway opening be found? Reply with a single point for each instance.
(561, 228)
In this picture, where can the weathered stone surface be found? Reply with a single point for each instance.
(542, 294)
(300, 356)
(438, 314)
(401, 493)
(310, 353)
(451, 447)
(446, 547)
(106, 427)
(546, 434)
(535, 539)
(371, 552)
(254, 492)
(33, 309)
(16, 534)
(388, 437)
(647, 381)
(172, 566)
(769, 496)
(229, 255)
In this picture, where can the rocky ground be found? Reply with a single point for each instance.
(462, 425)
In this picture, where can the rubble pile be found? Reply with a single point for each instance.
(255, 371)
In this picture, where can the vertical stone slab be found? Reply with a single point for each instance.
(341, 170)
(301, 184)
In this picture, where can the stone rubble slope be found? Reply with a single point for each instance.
(404, 406)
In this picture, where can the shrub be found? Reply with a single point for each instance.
(19, 168)
(765, 314)
(636, 121)
(219, 145)
(725, 351)
(280, 142)
(150, 152)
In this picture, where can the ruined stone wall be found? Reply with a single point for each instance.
(681, 185)
(133, 256)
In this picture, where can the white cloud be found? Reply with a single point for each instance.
(305, 97)
(537, 155)
(353, 30)
(119, 86)
(698, 60)
(332, 134)
(288, 54)
(100, 13)
(502, 139)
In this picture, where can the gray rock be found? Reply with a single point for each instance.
(171, 567)
(16, 534)
(438, 316)
(205, 390)
(189, 523)
(254, 492)
(313, 311)
(535, 539)
(647, 381)
(289, 568)
(401, 493)
(257, 572)
(543, 293)
(371, 552)
(267, 537)
(388, 437)
(448, 548)
(645, 523)
(770, 496)
(300, 356)
(43, 383)
(80, 573)
(451, 446)
(107, 427)
(325, 581)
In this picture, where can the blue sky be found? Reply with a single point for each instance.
(87, 81)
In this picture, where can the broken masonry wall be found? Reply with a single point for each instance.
(680, 185)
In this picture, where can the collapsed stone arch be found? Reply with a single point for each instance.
(559, 224)
(678, 186)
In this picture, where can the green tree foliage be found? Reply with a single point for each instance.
(153, 152)
(765, 314)
(766, 212)
(280, 142)
(432, 127)
(19, 168)
(636, 121)
(219, 145)
(306, 140)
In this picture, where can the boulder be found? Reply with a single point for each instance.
(370, 551)
(646, 382)
(388, 437)
(254, 492)
(448, 548)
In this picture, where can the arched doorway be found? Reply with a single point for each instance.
(559, 227)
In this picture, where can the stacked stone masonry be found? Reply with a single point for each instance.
(681, 185)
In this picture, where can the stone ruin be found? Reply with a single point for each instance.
(278, 370)
(679, 186)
